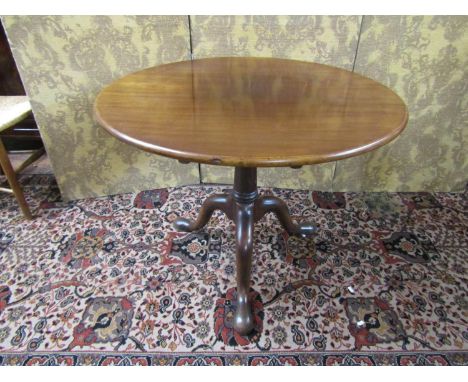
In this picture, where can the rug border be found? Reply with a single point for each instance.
(293, 358)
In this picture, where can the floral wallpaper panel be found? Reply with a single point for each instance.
(324, 39)
(64, 61)
(425, 60)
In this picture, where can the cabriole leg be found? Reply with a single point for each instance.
(268, 203)
(243, 318)
(211, 204)
(244, 193)
(245, 207)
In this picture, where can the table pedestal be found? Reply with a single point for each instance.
(245, 207)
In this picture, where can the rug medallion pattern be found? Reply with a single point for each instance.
(108, 281)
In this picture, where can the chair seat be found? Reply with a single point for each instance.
(12, 110)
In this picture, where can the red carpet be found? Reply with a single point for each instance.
(108, 281)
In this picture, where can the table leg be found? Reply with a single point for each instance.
(244, 218)
(245, 207)
(244, 194)
(211, 204)
(268, 203)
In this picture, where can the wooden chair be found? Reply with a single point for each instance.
(14, 109)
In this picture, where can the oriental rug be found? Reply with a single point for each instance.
(108, 281)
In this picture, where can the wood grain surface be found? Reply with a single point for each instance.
(251, 112)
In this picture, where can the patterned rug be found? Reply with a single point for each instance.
(108, 281)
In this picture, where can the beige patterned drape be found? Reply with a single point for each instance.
(65, 60)
(327, 40)
(425, 60)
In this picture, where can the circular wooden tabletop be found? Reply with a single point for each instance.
(256, 112)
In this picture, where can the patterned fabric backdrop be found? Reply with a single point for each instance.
(109, 281)
(425, 60)
(65, 61)
(327, 40)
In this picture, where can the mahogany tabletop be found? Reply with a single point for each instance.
(251, 112)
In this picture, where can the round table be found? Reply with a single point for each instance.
(248, 113)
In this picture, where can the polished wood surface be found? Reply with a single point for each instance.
(245, 207)
(249, 113)
(258, 112)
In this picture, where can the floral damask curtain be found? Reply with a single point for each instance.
(65, 60)
(423, 58)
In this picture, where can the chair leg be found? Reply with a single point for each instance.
(11, 177)
(30, 160)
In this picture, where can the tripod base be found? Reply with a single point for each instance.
(245, 207)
